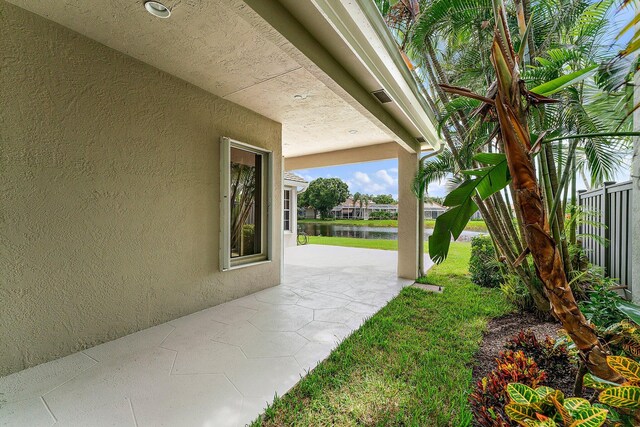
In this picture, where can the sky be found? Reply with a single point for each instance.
(381, 177)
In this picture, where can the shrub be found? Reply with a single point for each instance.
(546, 407)
(516, 292)
(623, 338)
(550, 355)
(601, 307)
(484, 267)
(381, 215)
(489, 397)
(622, 400)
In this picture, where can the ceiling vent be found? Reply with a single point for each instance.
(421, 139)
(382, 96)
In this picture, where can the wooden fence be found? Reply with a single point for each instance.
(608, 219)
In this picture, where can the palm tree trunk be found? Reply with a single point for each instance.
(514, 131)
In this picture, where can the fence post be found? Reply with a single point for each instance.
(606, 221)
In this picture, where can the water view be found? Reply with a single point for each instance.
(360, 232)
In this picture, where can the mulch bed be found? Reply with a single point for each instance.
(503, 328)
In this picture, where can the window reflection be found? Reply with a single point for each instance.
(246, 204)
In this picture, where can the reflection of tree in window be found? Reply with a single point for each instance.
(246, 215)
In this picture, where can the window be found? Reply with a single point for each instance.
(287, 210)
(245, 193)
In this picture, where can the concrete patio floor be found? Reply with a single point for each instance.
(217, 367)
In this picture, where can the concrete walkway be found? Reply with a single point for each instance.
(218, 367)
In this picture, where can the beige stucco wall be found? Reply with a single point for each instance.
(109, 193)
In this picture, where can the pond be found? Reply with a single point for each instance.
(359, 232)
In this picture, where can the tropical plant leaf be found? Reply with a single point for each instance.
(523, 394)
(449, 224)
(591, 381)
(461, 193)
(543, 391)
(564, 413)
(576, 404)
(612, 415)
(631, 310)
(490, 179)
(490, 158)
(627, 397)
(558, 84)
(537, 423)
(626, 367)
(520, 412)
(591, 417)
(554, 395)
(485, 182)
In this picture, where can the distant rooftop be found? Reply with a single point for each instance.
(288, 176)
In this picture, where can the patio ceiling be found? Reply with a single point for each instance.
(228, 49)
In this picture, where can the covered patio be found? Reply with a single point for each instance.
(216, 367)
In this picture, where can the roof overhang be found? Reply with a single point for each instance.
(362, 27)
(262, 54)
(347, 46)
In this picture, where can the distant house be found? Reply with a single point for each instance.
(433, 210)
(348, 210)
(292, 185)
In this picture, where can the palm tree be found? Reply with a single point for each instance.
(357, 197)
(367, 200)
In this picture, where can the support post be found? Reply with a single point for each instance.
(635, 201)
(407, 215)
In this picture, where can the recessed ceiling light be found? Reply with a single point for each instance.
(157, 9)
(299, 97)
(353, 131)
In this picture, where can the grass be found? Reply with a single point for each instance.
(390, 245)
(473, 225)
(408, 365)
(351, 242)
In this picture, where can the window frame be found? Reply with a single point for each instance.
(266, 243)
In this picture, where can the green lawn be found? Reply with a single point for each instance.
(409, 364)
(391, 245)
(474, 225)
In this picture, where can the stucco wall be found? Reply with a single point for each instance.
(109, 193)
